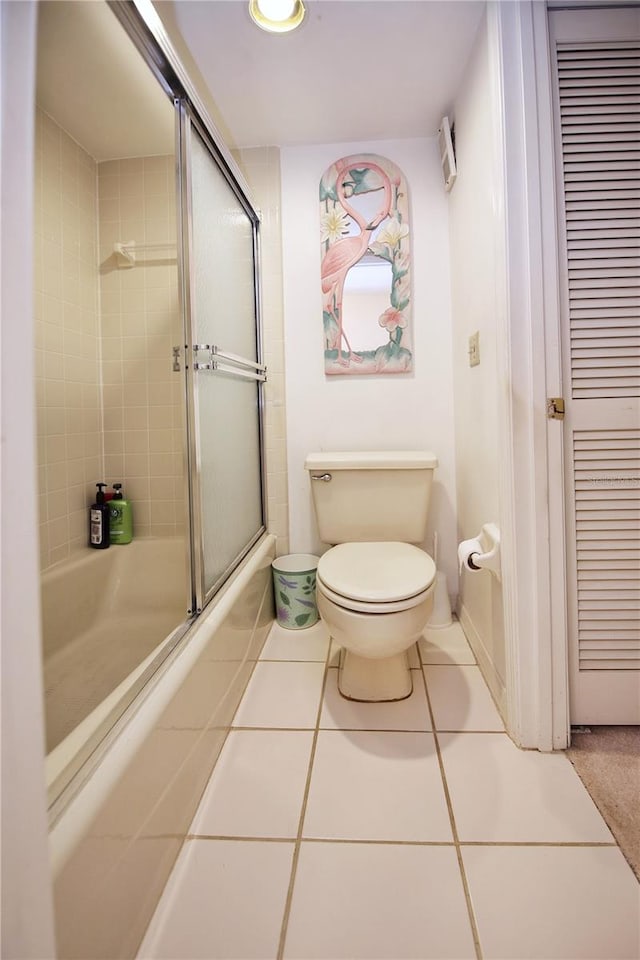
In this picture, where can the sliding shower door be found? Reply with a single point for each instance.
(224, 360)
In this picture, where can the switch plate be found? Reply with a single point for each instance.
(474, 349)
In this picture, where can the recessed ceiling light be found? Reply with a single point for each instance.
(277, 16)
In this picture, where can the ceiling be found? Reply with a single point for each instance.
(92, 81)
(356, 70)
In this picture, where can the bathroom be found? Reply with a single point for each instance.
(444, 400)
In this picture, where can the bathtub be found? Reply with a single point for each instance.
(114, 843)
(105, 616)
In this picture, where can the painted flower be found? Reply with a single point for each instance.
(391, 319)
(393, 232)
(283, 614)
(381, 250)
(333, 225)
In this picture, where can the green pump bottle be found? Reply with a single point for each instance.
(120, 517)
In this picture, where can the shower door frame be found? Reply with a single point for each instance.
(188, 122)
(147, 32)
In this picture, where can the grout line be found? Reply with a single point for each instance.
(376, 729)
(449, 663)
(278, 729)
(357, 729)
(298, 839)
(376, 841)
(536, 843)
(330, 840)
(362, 729)
(488, 689)
(498, 733)
(223, 727)
(380, 843)
(456, 840)
(389, 843)
(238, 839)
(292, 660)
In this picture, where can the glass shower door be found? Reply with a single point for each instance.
(226, 372)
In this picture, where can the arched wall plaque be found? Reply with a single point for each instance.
(366, 267)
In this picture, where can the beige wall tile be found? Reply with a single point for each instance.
(141, 314)
(65, 217)
(118, 364)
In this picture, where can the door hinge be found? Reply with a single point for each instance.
(555, 408)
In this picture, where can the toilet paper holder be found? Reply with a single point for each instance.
(482, 552)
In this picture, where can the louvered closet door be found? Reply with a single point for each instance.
(598, 148)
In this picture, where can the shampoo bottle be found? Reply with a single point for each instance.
(99, 532)
(120, 516)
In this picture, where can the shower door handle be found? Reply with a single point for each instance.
(237, 366)
(236, 360)
(238, 372)
(229, 363)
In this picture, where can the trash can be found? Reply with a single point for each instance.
(294, 587)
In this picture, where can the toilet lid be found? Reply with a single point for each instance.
(376, 572)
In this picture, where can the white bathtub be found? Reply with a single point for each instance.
(115, 842)
(105, 614)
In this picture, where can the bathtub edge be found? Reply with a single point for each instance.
(73, 822)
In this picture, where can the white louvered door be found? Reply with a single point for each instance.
(598, 147)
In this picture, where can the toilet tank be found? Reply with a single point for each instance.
(369, 496)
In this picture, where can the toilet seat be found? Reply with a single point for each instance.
(380, 577)
(357, 606)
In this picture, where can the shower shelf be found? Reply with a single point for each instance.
(127, 252)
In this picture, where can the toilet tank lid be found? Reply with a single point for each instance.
(372, 460)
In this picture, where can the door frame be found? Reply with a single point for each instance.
(535, 597)
(531, 462)
(596, 23)
(551, 286)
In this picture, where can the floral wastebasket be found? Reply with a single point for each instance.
(294, 586)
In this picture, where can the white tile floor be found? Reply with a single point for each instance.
(333, 829)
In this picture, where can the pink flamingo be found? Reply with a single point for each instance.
(343, 254)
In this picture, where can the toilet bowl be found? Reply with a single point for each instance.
(375, 587)
(376, 599)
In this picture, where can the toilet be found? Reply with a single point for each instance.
(375, 587)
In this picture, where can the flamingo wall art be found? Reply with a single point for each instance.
(365, 267)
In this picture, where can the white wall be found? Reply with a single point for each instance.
(27, 917)
(476, 223)
(379, 412)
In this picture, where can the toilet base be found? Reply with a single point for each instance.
(374, 681)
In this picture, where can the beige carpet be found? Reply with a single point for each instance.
(607, 760)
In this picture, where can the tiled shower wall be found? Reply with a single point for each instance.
(143, 398)
(109, 405)
(67, 336)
